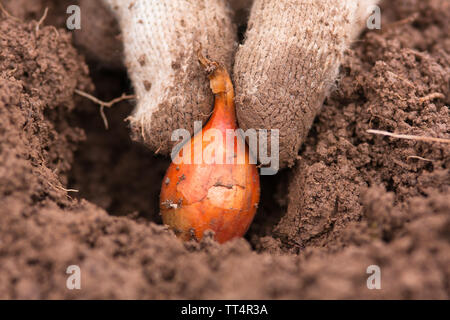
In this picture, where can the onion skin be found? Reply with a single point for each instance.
(218, 197)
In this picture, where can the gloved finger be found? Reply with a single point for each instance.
(289, 62)
(160, 41)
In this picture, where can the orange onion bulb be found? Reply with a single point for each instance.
(220, 196)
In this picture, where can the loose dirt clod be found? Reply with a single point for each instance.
(408, 136)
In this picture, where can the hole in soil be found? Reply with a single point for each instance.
(124, 177)
(109, 169)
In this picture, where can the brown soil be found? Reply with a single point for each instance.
(354, 199)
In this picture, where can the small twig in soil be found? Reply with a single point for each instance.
(7, 14)
(432, 96)
(420, 158)
(402, 22)
(56, 30)
(104, 104)
(103, 115)
(62, 188)
(408, 136)
(41, 20)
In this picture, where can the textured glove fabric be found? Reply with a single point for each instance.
(289, 61)
(283, 71)
(160, 41)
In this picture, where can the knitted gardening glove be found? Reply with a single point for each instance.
(289, 61)
(282, 72)
(160, 42)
